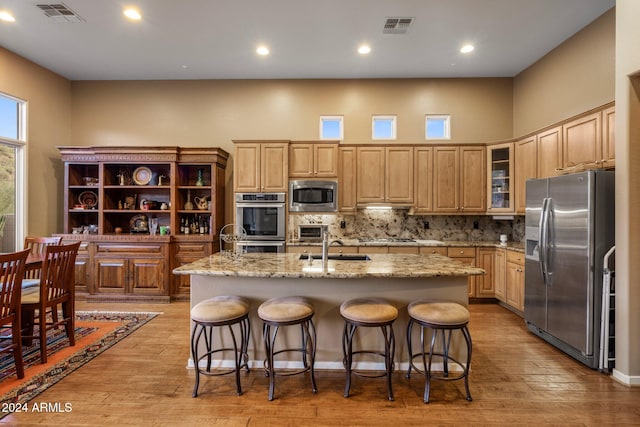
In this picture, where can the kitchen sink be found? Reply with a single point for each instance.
(339, 257)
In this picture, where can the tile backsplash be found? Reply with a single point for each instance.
(397, 223)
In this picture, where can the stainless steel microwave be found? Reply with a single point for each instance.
(313, 196)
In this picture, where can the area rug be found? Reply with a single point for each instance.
(96, 331)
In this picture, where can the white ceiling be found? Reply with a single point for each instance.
(216, 39)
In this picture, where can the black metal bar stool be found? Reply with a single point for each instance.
(287, 311)
(368, 312)
(217, 312)
(443, 318)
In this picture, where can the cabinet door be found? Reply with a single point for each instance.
(111, 275)
(301, 160)
(485, 259)
(370, 178)
(347, 181)
(147, 275)
(445, 179)
(525, 168)
(247, 167)
(185, 253)
(274, 161)
(582, 140)
(82, 273)
(500, 179)
(423, 184)
(472, 179)
(549, 152)
(399, 175)
(609, 137)
(325, 163)
(499, 275)
(515, 296)
(466, 255)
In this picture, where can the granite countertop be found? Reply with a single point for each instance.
(289, 265)
(514, 246)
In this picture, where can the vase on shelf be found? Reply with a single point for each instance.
(188, 205)
(200, 180)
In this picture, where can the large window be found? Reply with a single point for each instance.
(12, 169)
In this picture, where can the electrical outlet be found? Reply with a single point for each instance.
(425, 224)
(476, 225)
(343, 224)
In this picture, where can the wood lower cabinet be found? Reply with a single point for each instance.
(83, 268)
(515, 280)
(466, 255)
(499, 276)
(131, 269)
(485, 284)
(185, 252)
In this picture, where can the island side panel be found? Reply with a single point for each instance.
(326, 295)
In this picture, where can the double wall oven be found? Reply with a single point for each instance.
(262, 215)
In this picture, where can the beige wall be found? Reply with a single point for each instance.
(214, 112)
(627, 192)
(49, 124)
(575, 77)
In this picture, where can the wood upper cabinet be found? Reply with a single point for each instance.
(526, 153)
(582, 140)
(500, 178)
(384, 175)
(549, 152)
(459, 180)
(347, 180)
(423, 179)
(313, 159)
(261, 166)
(609, 137)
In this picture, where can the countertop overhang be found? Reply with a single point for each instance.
(289, 265)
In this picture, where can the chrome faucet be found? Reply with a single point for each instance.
(326, 244)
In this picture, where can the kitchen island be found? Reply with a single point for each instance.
(400, 278)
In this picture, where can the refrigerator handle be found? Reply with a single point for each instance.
(544, 240)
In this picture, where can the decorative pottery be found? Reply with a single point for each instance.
(188, 205)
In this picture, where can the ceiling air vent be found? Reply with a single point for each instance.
(60, 12)
(397, 25)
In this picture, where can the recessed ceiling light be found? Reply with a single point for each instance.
(364, 49)
(467, 48)
(6, 16)
(262, 50)
(132, 14)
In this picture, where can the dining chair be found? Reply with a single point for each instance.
(37, 246)
(57, 283)
(11, 273)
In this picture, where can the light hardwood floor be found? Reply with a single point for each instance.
(515, 379)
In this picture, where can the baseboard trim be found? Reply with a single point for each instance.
(629, 380)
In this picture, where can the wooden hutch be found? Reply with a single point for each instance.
(112, 198)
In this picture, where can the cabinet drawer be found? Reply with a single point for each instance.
(404, 249)
(129, 249)
(194, 248)
(433, 250)
(516, 257)
(461, 252)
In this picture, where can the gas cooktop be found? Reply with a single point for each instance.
(384, 240)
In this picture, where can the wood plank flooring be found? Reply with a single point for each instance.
(515, 379)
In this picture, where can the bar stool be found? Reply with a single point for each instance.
(444, 317)
(217, 312)
(288, 311)
(368, 312)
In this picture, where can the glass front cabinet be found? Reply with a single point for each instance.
(500, 179)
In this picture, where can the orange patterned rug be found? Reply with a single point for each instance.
(95, 332)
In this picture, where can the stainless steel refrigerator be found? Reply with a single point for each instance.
(569, 226)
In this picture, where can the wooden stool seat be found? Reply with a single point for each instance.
(368, 312)
(287, 311)
(439, 317)
(214, 312)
